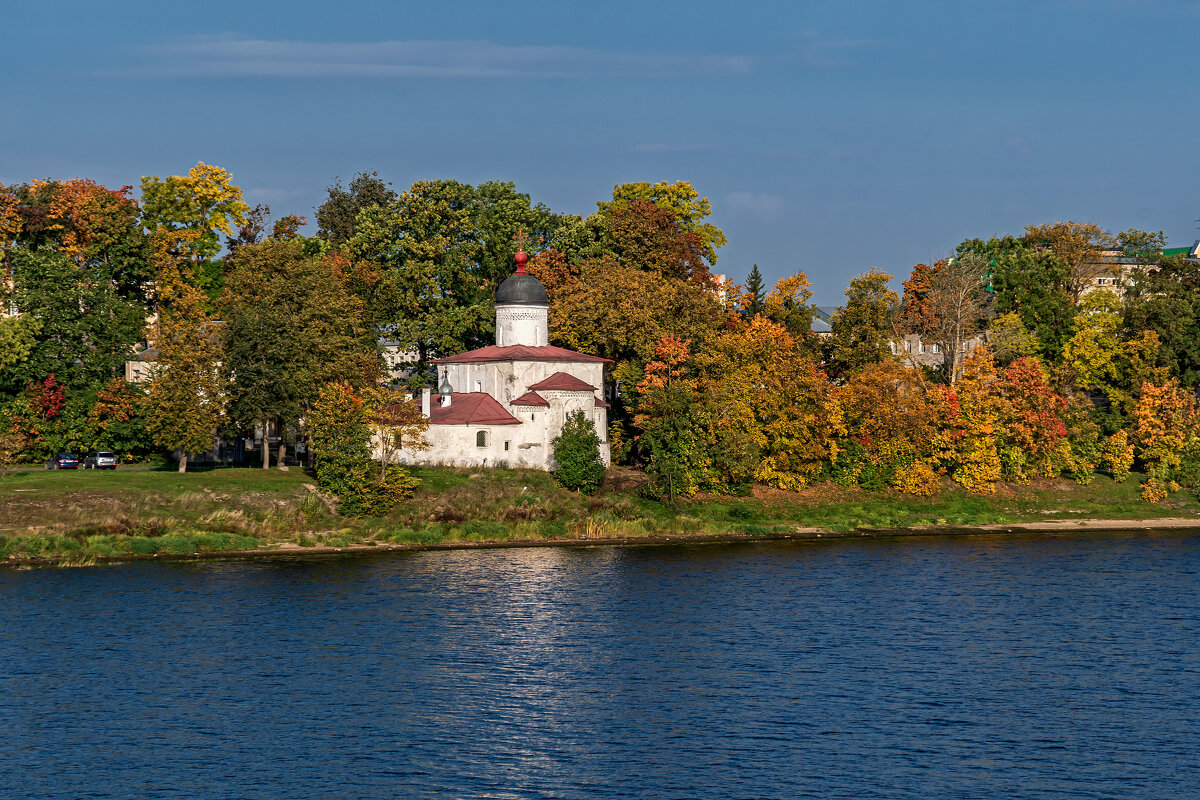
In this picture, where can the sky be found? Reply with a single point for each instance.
(830, 137)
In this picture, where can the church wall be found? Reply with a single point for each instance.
(508, 380)
(457, 446)
(522, 324)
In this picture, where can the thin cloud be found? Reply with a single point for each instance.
(670, 147)
(762, 203)
(822, 52)
(231, 56)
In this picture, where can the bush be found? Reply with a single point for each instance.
(577, 452)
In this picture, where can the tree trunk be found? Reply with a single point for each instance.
(282, 455)
(182, 461)
(266, 449)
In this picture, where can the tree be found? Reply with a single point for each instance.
(1032, 421)
(1009, 339)
(754, 292)
(1081, 248)
(291, 327)
(183, 407)
(957, 305)
(916, 314)
(650, 238)
(1166, 431)
(1035, 284)
(1166, 301)
(577, 455)
(863, 328)
(82, 327)
(204, 201)
(969, 425)
(18, 337)
(889, 426)
(1092, 350)
(683, 201)
(340, 439)
(428, 296)
(787, 305)
(337, 217)
(664, 412)
(396, 423)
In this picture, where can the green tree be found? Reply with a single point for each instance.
(577, 455)
(1166, 300)
(291, 327)
(82, 327)
(1034, 283)
(337, 217)
(754, 290)
(863, 328)
(428, 296)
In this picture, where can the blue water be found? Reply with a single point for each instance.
(978, 667)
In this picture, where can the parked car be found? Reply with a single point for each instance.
(63, 461)
(100, 459)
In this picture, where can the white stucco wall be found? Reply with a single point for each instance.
(508, 380)
(527, 325)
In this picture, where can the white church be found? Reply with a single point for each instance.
(503, 405)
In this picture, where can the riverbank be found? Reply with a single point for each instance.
(97, 517)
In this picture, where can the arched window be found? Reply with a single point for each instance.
(481, 439)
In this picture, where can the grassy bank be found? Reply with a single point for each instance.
(79, 517)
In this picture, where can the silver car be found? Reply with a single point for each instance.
(100, 459)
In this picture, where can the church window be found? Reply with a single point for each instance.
(506, 445)
(481, 439)
(479, 386)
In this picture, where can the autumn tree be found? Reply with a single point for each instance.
(651, 239)
(185, 396)
(664, 413)
(1166, 432)
(1009, 339)
(957, 306)
(396, 423)
(204, 202)
(1080, 246)
(788, 306)
(683, 201)
(889, 429)
(863, 328)
(969, 417)
(1032, 422)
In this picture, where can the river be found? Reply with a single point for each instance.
(986, 666)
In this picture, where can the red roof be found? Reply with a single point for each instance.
(469, 408)
(530, 399)
(520, 352)
(601, 404)
(564, 383)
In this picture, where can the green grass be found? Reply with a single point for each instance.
(79, 517)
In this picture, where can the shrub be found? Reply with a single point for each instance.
(577, 453)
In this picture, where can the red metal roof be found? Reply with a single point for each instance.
(520, 352)
(469, 408)
(563, 383)
(530, 399)
(601, 404)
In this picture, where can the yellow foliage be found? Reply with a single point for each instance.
(1118, 455)
(918, 479)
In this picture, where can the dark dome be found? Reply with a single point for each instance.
(521, 290)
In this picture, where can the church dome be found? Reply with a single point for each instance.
(521, 288)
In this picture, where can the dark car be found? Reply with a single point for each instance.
(100, 459)
(63, 461)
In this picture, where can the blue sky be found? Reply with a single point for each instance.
(830, 136)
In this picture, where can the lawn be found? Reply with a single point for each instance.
(79, 516)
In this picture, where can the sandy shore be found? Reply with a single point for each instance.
(290, 550)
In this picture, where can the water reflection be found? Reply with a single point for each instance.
(963, 667)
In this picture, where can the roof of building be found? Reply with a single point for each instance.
(520, 352)
(561, 381)
(469, 408)
(601, 404)
(530, 399)
(521, 290)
